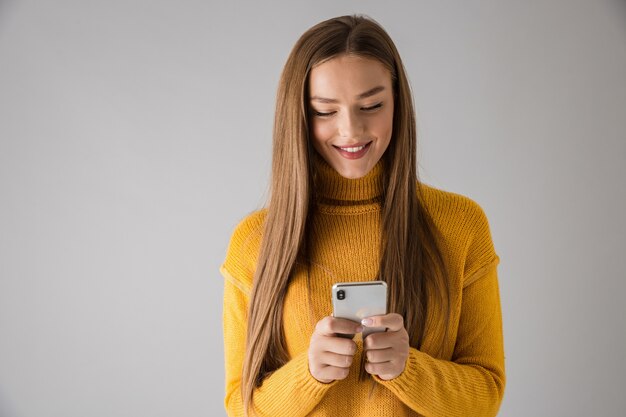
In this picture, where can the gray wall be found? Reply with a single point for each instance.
(135, 134)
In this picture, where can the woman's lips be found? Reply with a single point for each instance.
(353, 155)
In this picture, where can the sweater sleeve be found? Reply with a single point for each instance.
(471, 383)
(290, 390)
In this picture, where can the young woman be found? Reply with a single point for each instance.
(346, 205)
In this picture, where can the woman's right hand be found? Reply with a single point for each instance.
(330, 355)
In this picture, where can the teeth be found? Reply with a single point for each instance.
(354, 149)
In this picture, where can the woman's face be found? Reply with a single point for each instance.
(351, 105)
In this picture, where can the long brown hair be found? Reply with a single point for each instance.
(410, 260)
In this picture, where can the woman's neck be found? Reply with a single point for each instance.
(332, 188)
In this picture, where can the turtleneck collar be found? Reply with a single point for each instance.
(332, 188)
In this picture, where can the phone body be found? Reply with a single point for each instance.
(357, 300)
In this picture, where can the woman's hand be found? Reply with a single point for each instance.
(330, 356)
(386, 352)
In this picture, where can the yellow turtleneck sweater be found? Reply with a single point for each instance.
(468, 380)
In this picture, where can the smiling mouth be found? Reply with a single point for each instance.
(354, 153)
(354, 148)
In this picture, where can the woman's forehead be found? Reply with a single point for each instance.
(348, 76)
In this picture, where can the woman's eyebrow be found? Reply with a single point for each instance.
(366, 94)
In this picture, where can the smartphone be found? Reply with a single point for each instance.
(357, 300)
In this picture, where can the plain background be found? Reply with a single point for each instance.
(134, 135)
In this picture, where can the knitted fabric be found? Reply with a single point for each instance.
(468, 379)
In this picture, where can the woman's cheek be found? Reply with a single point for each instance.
(384, 124)
(322, 131)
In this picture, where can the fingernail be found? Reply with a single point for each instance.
(366, 322)
(359, 329)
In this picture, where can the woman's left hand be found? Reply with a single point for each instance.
(386, 352)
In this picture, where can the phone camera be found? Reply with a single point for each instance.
(341, 294)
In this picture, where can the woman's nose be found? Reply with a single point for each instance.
(350, 125)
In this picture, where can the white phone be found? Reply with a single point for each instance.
(357, 300)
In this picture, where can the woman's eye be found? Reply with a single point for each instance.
(322, 114)
(373, 107)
